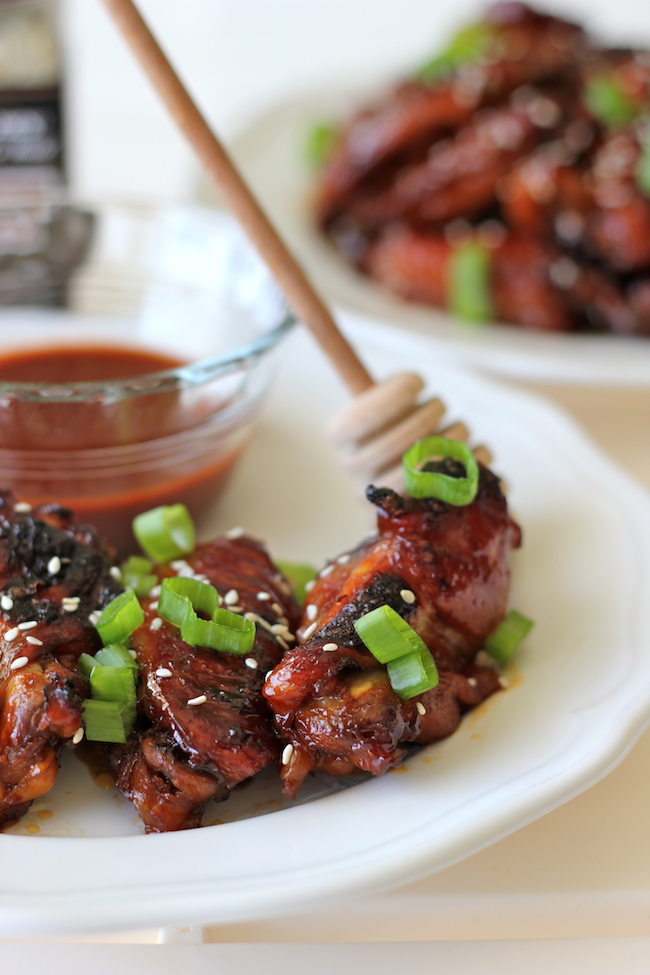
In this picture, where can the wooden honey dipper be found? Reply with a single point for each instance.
(384, 419)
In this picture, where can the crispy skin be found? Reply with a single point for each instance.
(185, 754)
(336, 707)
(40, 703)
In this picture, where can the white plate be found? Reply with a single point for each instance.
(271, 152)
(579, 693)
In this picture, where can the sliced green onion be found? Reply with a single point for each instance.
(107, 720)
(226, 631)
(387, 635)
(137, 575)
(319, 143)
(166, 532)
(468, 45)
(120, 618)
(85, 664)
(469, 282)
(113, 684)
(411, 667)
(299, 575)
(175, 593)
(607, 101)
(433, 484)
(114, 655)
(642, 174)
(413, 674)
(502, 644)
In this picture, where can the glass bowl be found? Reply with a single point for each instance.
(144, 388)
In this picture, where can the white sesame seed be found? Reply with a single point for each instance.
(231, 597)
(251, 662)
(71, 600)
(279, 628)
(264, 596)
(156, 623)
(236, 609)
(282, 642)
(28, 625)
(54, 565)
(330, 646)
(153, 604)
(235, 532)
(326, 571)
(420, 707)
(277, 609)
(287, 752)
(155, 592)
(472, 681)
(22, 507)
(78, 736)
(18, 663)
(115, 572)
(35, 642)
(310, 629)
(342, 559)
(165, 672)
(311, 611)
(94, 617)
(268, 674)
(178, 564)
(133, 654)
(6, 602)
(11, 634)
(310, 585)
(201, 699)
(407, 596)
(69, 607)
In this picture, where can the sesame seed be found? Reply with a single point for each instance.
(264, 596)
(235, 532)
(72, 600)
(268, 674)
(330, 646)
(310, 629)
(420, 707)
(287, 752)
(28, 625)
(472, 681)
(22, 507)
(78, 736)
(133, 654)
(279, 628)
(54, 565)
(236, 609)
(156, 623)
(6, 602)
(407, 596)
(153, 604)
(165, 672)
(155, 592)
(311, 611)
(342, 559)
(326, 571)
(251, 662)
(35, 642)
(277, 608)
(18, 663)
(199, 577)
(178, 564)
(11, 634)
(201, 699)
(231, 597)
(69, 607)
(115, 572)
(282, 642)
(310, 585)
(94, 617)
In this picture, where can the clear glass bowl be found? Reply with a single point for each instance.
(178, 284)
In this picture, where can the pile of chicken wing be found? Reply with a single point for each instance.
(509, 179)
(307, 696)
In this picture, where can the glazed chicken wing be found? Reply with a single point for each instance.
(205, 726)
(53, 575)
(445, 570)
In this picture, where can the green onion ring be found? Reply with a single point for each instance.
(430, 484)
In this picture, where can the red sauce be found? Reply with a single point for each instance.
(43, 444)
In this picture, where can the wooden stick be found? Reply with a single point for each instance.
(301, 295)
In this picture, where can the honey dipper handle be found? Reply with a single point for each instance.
(300, 293)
